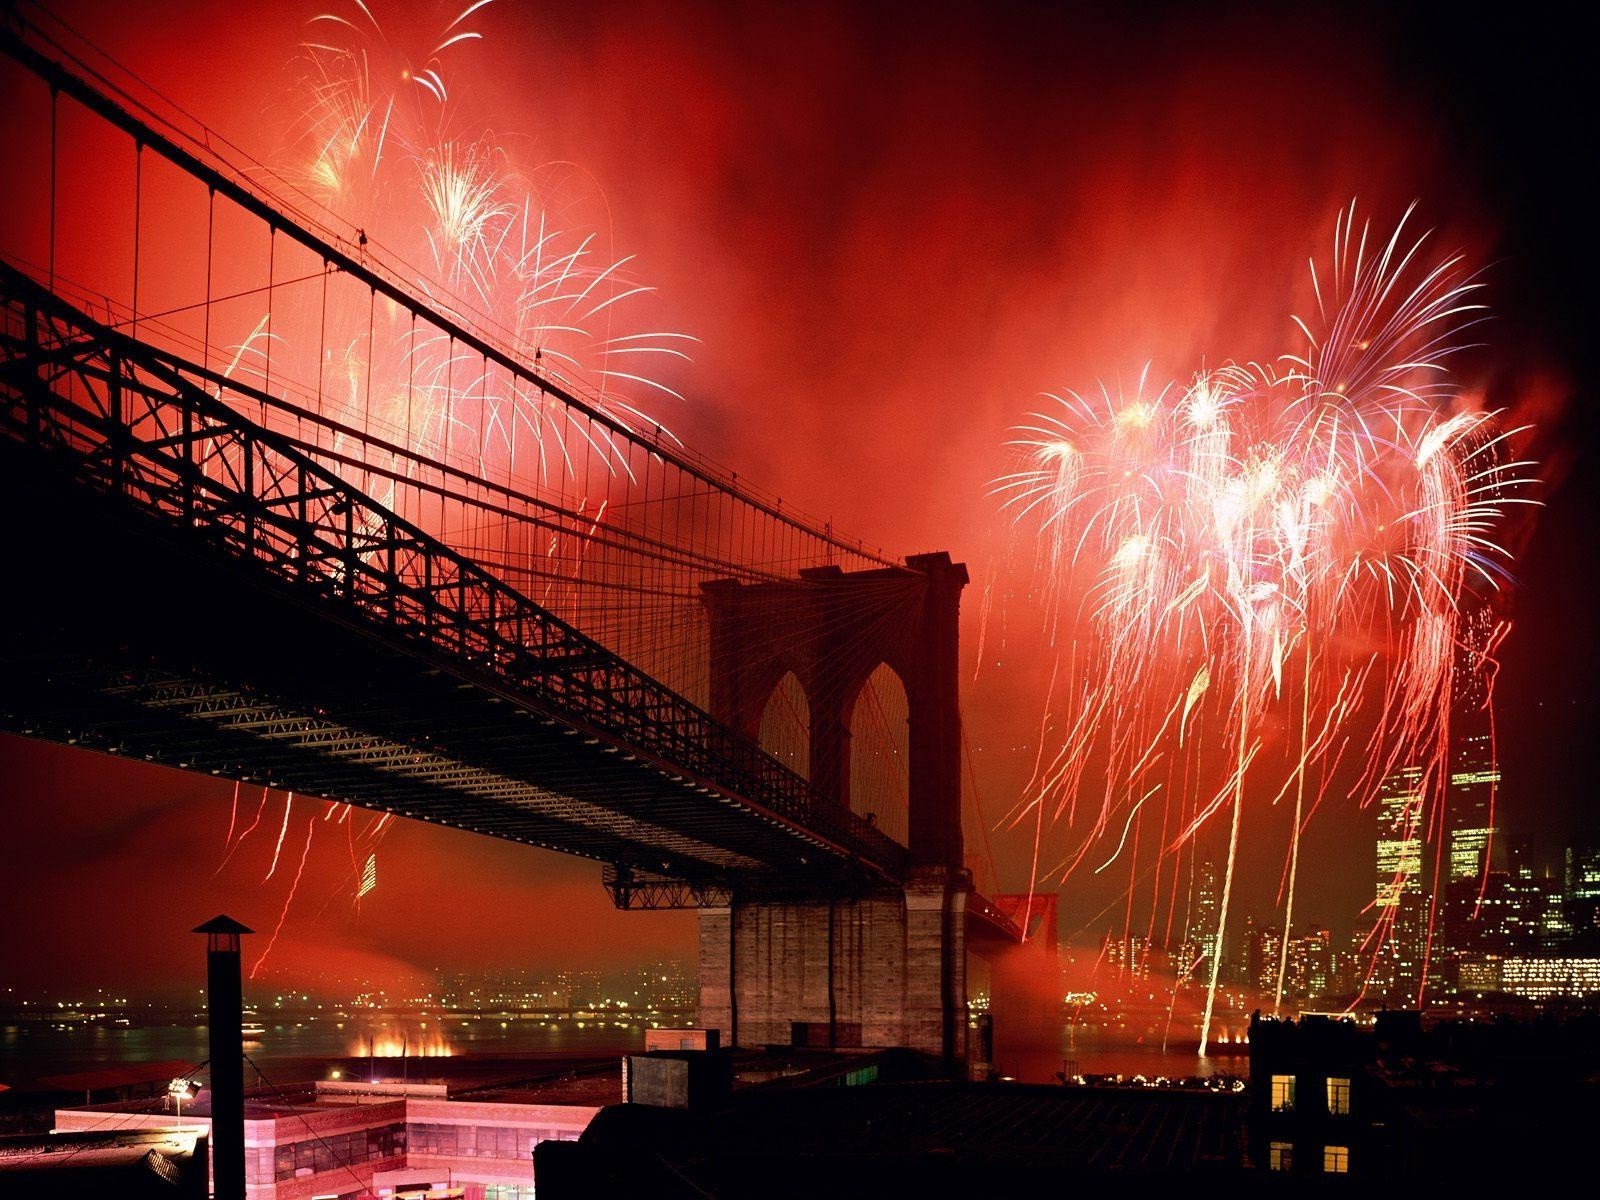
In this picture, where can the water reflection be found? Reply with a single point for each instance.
(29, 1049)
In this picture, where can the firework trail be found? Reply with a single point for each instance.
(228, 857)
(288, 806)
(294, 886)
(367, 876)
(1330, 516)
(233, 817)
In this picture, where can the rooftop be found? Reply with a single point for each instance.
(584, 1081)
(1094, 1129)
(124, 1163)
(300, 1086)
(903, 1138)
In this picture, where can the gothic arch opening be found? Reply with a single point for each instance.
(880, 753)
(786, 726)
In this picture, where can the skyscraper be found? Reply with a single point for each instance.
(1399, 859)
(1311, 963)
(1399, 902)
(1202, 941)
(1581, 873)
(1263, 949)
(1126, 957)
(1474, 776)
(1582, 888)
(1474, 773)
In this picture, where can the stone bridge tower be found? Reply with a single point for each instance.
(885, 968)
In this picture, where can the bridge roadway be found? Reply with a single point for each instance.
(193, 589)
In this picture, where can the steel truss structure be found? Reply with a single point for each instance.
(197, 588)
(649, 782)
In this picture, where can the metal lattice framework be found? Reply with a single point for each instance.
(131, 424)
(240, 574)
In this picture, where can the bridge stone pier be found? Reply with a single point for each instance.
(885, 966)
(886, 969)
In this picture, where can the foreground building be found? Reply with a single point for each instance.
(358, 1141)
(1456, 1104)
(887, 1123)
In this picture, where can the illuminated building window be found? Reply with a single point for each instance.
(1335, 1160)
(1283, 1093)
(1280, 1156)
(1338, 1096)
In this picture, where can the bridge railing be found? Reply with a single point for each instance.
(118, 417)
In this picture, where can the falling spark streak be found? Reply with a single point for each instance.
(288, 804)
(233, 816)
(311, 828)
(1123, 841)
(260, 809)
(985, 606)
(1333, 512)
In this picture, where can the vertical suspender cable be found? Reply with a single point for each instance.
(54, 106)
(205, 337)
(366, 408)
(411, 369)
(444, 450)
(272, 252)
(449, 398)
(138, 197)
(322, 338)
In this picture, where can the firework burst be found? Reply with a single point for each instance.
(377, 148)
(1294, 545)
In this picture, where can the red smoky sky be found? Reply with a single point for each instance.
(892, 228)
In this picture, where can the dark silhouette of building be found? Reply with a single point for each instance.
(131, 1164)
(873, 1125)
(1458, 1104)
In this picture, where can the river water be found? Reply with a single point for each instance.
(31, 1049)
(1088, 1050)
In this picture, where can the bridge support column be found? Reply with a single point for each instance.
(880, 970)
(936, 964)
(716, 1009)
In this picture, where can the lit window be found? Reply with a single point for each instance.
(1283, 1093)
(1280, 1156)
(1338, 1096)
(1335, 1160)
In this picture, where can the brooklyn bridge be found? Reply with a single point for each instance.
(243, 555)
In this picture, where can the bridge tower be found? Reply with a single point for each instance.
(885, 966)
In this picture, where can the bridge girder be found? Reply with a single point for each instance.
(217, 599)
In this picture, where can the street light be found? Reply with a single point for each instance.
(181, 1089)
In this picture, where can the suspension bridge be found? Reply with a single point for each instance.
(281, 514)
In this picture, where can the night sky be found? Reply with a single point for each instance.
(892, 227)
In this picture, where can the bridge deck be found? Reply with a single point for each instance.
(197, 591)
